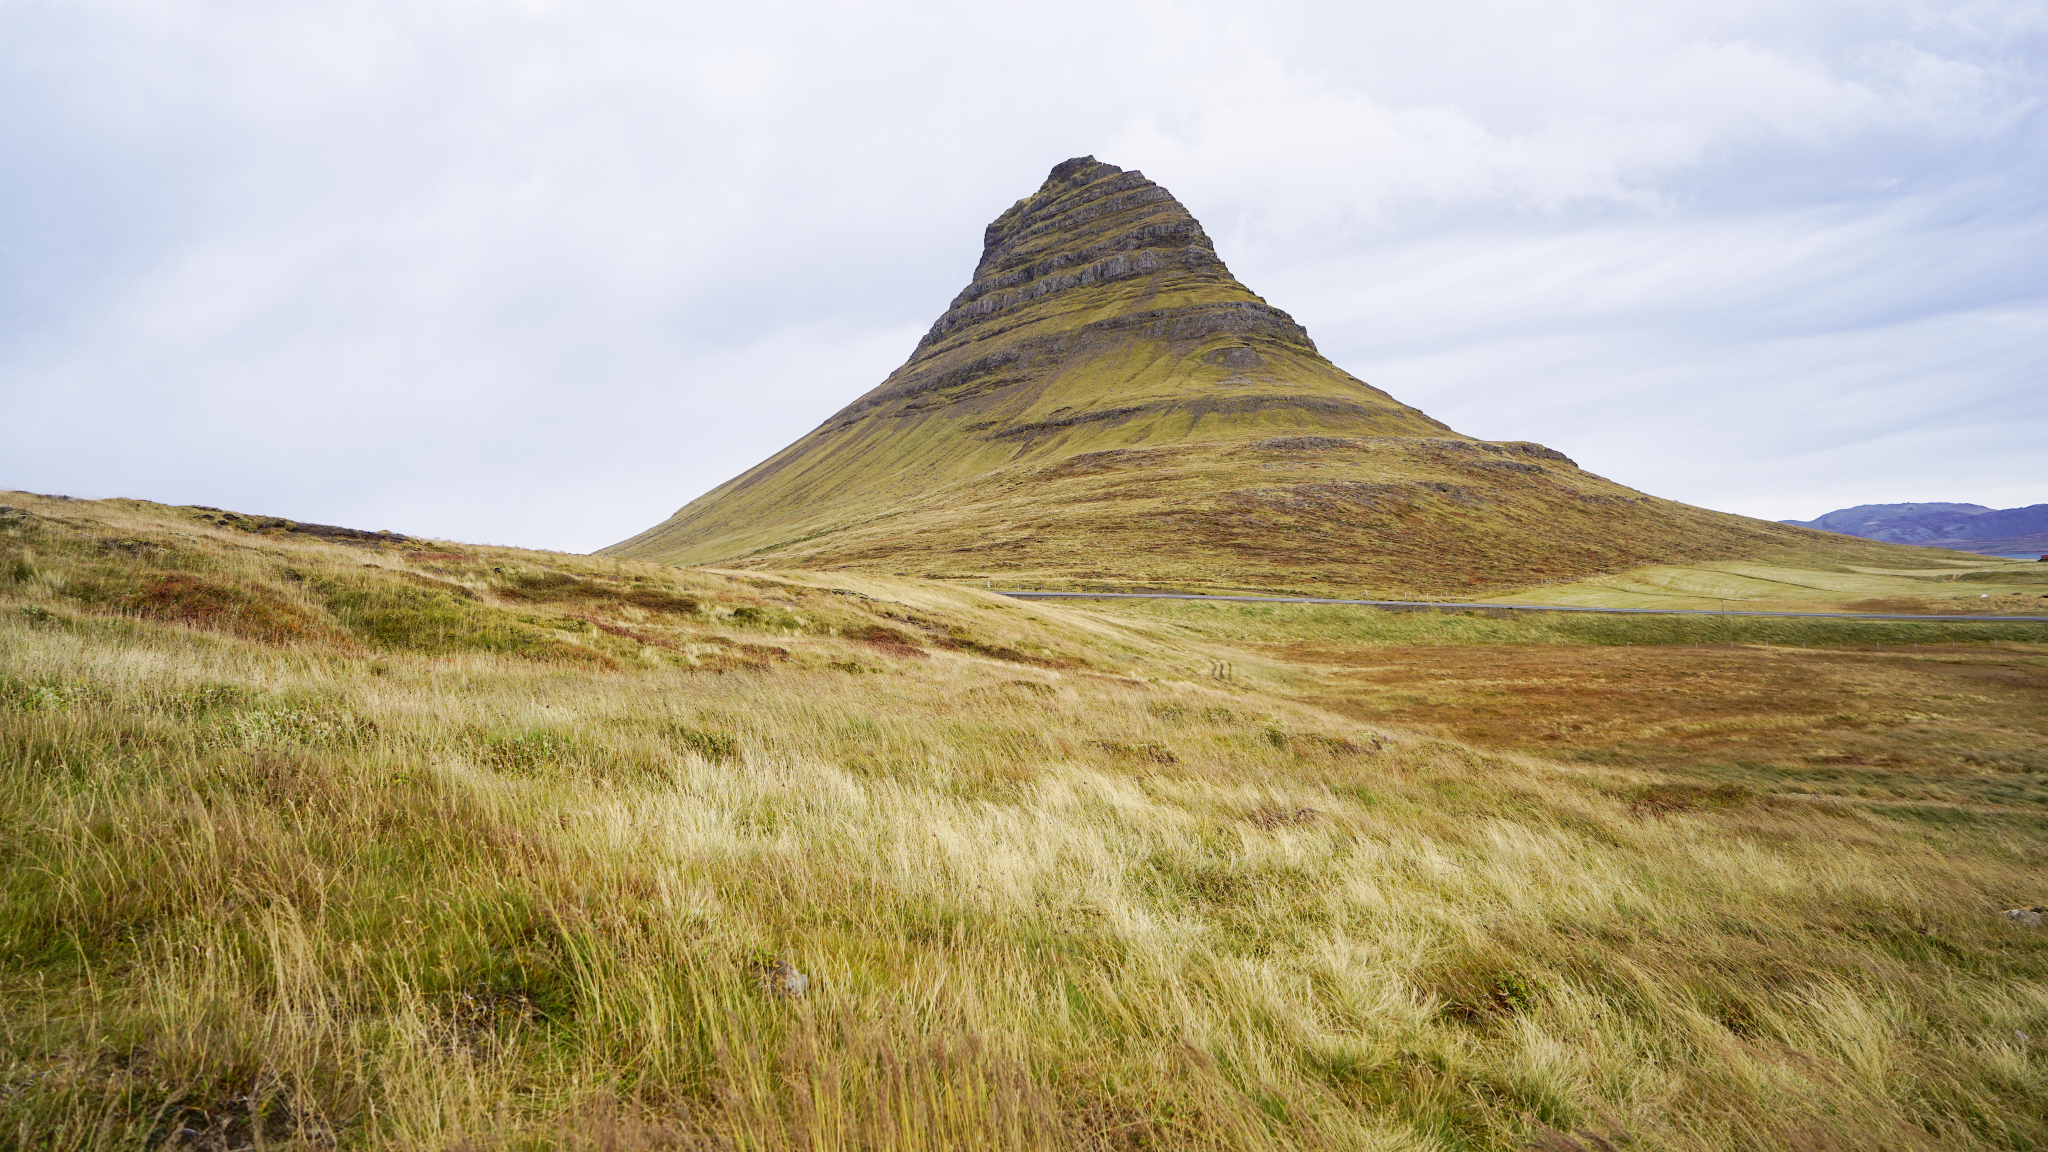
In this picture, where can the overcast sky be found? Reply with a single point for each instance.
(539, 273)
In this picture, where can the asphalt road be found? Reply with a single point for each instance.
(1418, 604)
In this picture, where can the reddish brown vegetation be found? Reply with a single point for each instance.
(557, 652)
(887, 640)
(1871, 722)
(625, 633)
(254, 613)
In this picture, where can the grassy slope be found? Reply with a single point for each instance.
(1357, 516)
(842, 476)
(439, 846)
(1170, 429)
(945, 420)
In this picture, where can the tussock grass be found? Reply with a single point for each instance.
(368, 893)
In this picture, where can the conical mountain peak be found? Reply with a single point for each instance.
(1105, 402)
(1103, 281)
(1088, 223)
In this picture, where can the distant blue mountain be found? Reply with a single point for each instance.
(1966, 527)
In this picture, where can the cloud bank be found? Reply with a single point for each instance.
(540, 273)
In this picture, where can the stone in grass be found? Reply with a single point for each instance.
(2031, 917)
(782, 979)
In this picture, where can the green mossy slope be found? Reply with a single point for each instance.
(1106, 404)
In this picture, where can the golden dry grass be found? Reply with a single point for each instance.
(437, 871)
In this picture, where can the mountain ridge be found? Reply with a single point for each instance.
(1939, 525)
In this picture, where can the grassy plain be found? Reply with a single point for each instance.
(1794, 582)
(400, 845)
(1896, 712)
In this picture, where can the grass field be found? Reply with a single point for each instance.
(391, 844)
(1887, 711)
(1809, 583)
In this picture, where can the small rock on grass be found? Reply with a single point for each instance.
(784, 980)
(2031, 917)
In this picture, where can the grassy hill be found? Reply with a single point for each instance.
(1106, 406)
(331, 840)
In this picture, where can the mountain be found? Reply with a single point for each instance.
(1964, 527)
(1105, 404)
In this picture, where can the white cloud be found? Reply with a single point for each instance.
(541, 272)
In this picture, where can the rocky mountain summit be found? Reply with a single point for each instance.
(1097, 258)
(1104, 403)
